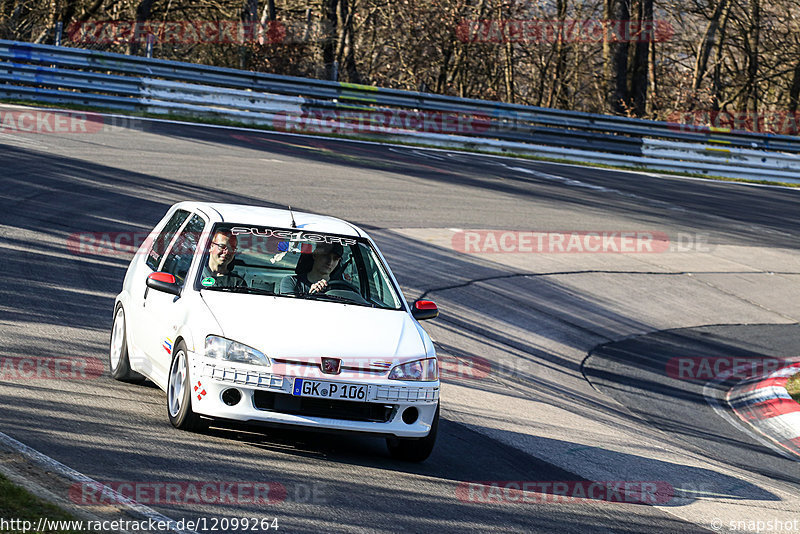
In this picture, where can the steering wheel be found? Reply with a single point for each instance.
(341, 285)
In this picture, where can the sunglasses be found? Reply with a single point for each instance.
(223, 248)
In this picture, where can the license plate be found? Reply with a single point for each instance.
(329, 390)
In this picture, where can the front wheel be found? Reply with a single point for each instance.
(118, 357)
(414, 449)
(179, 401)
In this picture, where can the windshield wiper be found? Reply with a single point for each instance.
(337, 298)
(325, 296)
(242, 289)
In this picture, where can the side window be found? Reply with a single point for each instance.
(161, 242)
(179, 257)
(377, 281)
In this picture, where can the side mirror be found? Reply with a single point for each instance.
(424, 309)
(164, 282)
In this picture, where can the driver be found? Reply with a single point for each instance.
(326, 258)
(220, 256)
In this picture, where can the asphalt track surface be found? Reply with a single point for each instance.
(631, 371)
(58, 304)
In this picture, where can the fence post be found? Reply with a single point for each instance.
(59, 30)
(151, 39)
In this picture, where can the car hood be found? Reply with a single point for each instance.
(302, 330)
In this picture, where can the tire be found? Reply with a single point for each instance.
(179, 391)
(414, 449)
(118, 361)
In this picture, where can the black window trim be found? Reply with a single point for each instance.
(169, 245)
(200, 242)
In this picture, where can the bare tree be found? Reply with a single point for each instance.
(794, 90)
(345, 50)
(717, 23)
(143, 10)
(733, 55)
(559, 87)
(752, 42)
(641, 56)
(615, 51)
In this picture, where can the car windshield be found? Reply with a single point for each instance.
(287, 263)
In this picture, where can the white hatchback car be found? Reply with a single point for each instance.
(262, 315)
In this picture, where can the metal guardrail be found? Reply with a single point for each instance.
(59, 75)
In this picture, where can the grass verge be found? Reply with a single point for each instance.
(793, 387)
(19, 505)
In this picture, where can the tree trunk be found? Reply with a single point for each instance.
(441, 78)
(345, 53)
(794, 90)
(752, 45)
(639, 72)
(142, 15)
(329, 42)
(719, 17)
(718, 52)
(250, 23)
(508, 66)
(559, 88)
(268, 16)
(652, 101)
(615, 55)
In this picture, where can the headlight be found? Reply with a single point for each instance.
(426, 370)
(225, 349)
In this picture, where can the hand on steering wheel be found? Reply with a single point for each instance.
(319, 287)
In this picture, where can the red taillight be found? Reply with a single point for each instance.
(425, 305)
(162, 277)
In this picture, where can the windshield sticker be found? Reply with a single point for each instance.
(293, 236)
(208, 281)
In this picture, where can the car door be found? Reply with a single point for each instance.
(164, 313)
(145, 264)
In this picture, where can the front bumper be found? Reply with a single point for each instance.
(267, 398)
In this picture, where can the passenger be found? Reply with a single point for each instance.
(220, 256)
(313, 273)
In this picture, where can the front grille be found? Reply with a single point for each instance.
(247, 378)
(406, 394)
(332, 409)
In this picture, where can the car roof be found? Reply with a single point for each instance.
(261, 216)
